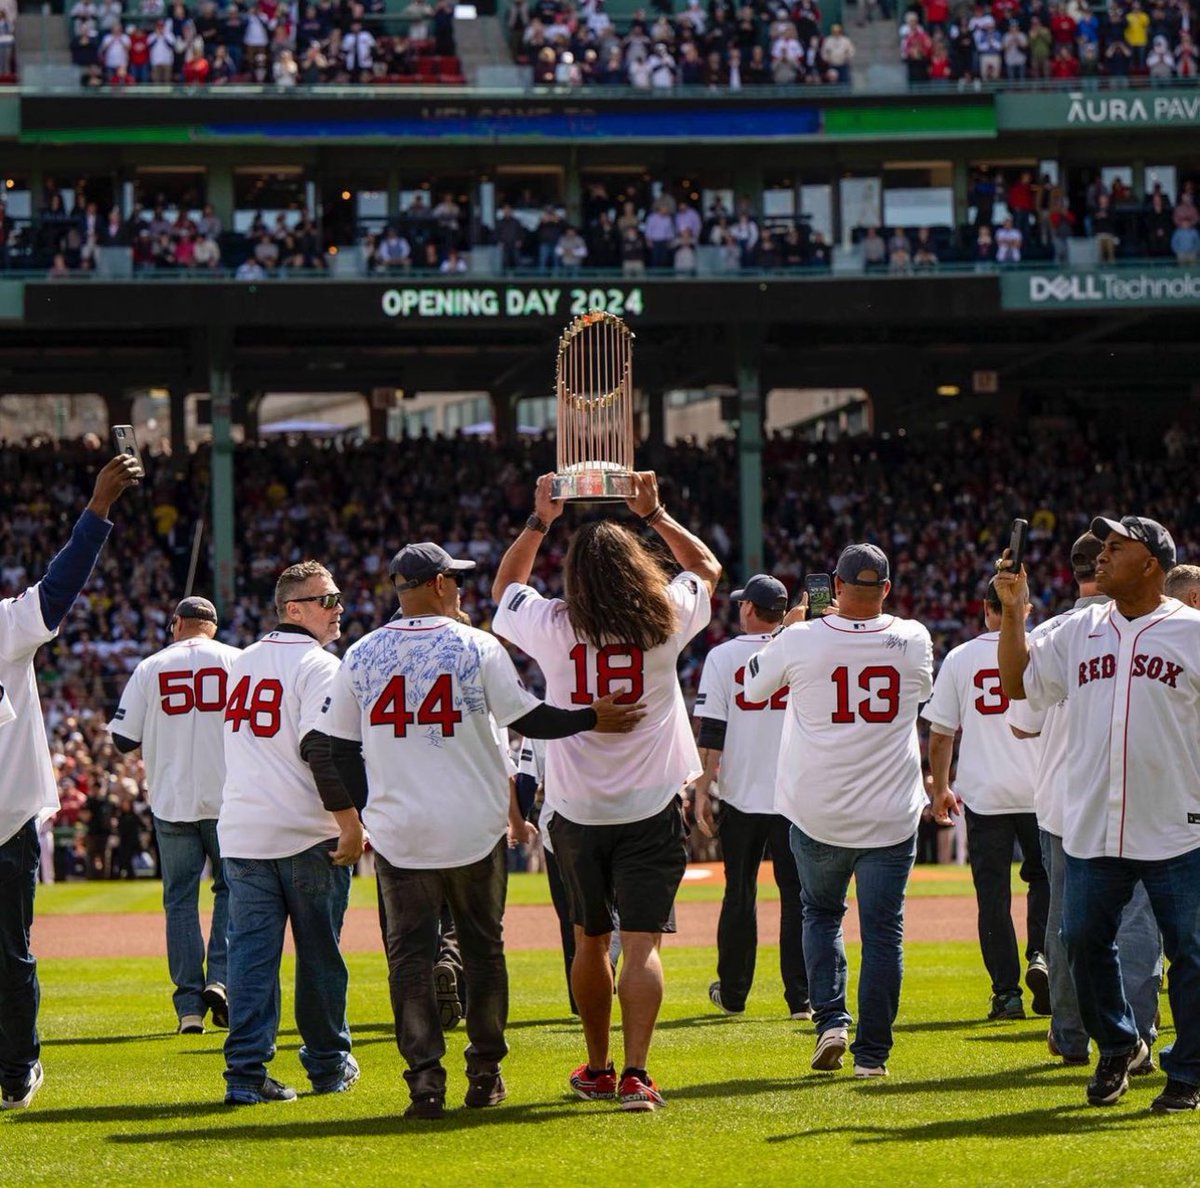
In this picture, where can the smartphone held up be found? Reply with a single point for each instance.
(124, 442)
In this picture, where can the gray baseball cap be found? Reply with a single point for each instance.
(1083, 556)
(196, 607)
(857, 559)
(421, 563)
(763, 590)
(1148, 532)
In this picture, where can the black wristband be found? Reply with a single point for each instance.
(650, 518)
(536, 524)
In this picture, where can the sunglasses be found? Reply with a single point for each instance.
(324, 601)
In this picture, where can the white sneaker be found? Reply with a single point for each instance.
(803, 1014)
(36, 1077)
(191, 1025)
(831, 1047)
(866, 1070)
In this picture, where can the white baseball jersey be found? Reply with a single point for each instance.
(753, 729)
(174, 705)
(425, 696)
(270, 807)
(1050, 725)
(996, 772)
(1133, 719)
(611, 779)
(849, 763)
(27, 787)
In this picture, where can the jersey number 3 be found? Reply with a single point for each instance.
(880, 682)
(991, 699)
(391, 708)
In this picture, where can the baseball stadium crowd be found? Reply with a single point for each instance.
(354, 506)
(207, 44)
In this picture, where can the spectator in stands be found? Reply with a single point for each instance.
(985, 249)
(358, 48)
(837, 52)
(633, 252)
(1186, 58)
(1160, 62)
(1041, 48)
(549, 232)
(924, 256)
(1064, 65)
(1137, 32)
(1009, 241)
(453, 262)
(745, 234)
(207, 252)
(161, 54)
(787, 56)
(757, 71)
(874, 249)
(394, 252)
(114, 53)
(604, 248)
(661, 67)
(660, 235)
(1016, 52)
(443, 29)
(1118, 58)
(571, 251)
(284, 70)
(1104, 228)
(916, 47)
(196, 65)
(250, 270)
(941, 69)
(988, 48)
(509, 236)
(1062, 227)
(8, 45)
(1185, 243)
(1159, 225)
(899, 251)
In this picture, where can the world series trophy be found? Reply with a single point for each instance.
(595, 410)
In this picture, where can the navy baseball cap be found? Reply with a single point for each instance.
(857, 559)
(1148, 532)
(764, 591)
(1083, 556)
(421, 563)
(196, 607)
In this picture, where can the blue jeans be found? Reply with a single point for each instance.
(20, 994)
(183, 847)
(881, 877)
(1139, 949)
(264, 894)
(1097, 890)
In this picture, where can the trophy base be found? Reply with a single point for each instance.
(592, 486)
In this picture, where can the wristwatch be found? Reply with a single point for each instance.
(535, 524)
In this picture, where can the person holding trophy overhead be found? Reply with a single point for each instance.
(618, 828)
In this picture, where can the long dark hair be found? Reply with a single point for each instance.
(616, 588)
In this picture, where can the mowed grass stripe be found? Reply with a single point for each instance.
(968, 1102)
(523, 889)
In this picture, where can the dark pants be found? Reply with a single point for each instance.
(448, 953)
(19, 990)
(990, 841)
(1096, 892)
(745, 839)
(566, 930)
(413, 906)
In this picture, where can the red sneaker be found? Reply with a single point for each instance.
(594, 1086)
(636, 1094)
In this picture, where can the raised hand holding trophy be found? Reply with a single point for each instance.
(595, 410)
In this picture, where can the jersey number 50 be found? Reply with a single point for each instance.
(184, 691)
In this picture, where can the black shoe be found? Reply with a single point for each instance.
(1145, 1066)
(1037, 978)
(1176, 1098)
(217, 1003)
(429, 1107)
(1007, 1006)
(1111, 1078)
(484, 1089)
(449, 1000)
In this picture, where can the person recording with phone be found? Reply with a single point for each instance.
(739, 747)
(28, 790)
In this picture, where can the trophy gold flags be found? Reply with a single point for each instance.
(595, 410)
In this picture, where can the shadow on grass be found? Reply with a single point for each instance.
(350, 1127)
(76, 1040)
(147, 1112)
(1065, 1120)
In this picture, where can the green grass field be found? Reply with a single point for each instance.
(968, 1102)
(146, 895)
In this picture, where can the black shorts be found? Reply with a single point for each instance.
(635, 868)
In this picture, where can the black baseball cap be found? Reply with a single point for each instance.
(857, 559)
(764, 591)
(421, 563)
(1148, 532)
(1083, 556)
(196, 607)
